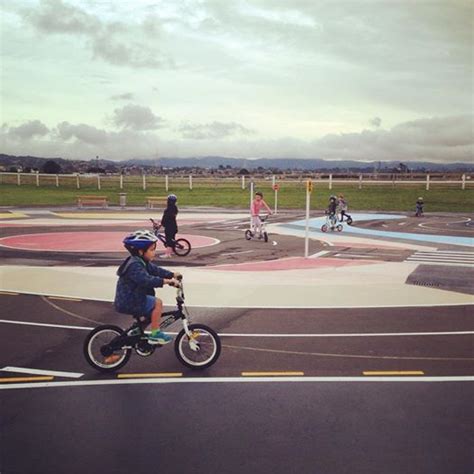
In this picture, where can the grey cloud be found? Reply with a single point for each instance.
(124, 96)
(82, 132)
(29, 130)
(56, 16)
(137, 117)
(118, 43)
(214, 130)
(376, 122)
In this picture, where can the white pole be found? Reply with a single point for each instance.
(98, 182)
(166, 183)
(306, 236)
(273, 180)
(330, 181)
(463, 186)
(18, 179)
(121, 181)
(190, 182)
(276, 201)
(360, 181)
(78, 184)
(251, 199)
(243, 182)
(37, 178)
(144, 181)
(57, 181)
(427, 182)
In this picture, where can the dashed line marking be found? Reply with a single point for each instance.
(394, 372)
(149, 375)
(272, 374)
(25, 379)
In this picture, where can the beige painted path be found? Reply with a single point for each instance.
(363, 286)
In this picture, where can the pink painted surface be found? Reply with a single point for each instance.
(85, 241)
(293, 263)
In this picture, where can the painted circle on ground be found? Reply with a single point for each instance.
(86, 241)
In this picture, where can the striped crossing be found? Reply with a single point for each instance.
(443, 257)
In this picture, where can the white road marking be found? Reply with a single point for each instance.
(54, 373)
(274, 242)
(65, 311)
(320, 254)
(242, 334)
(309, 379)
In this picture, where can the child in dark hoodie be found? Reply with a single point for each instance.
(138, 276)
(168, 221)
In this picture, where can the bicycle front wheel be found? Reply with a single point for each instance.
(182, 247)
(199, 351)
(103, 349)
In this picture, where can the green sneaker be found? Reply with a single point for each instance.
(159, 338)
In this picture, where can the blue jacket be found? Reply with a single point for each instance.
(137, 279)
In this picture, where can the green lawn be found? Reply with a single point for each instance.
(383, 198)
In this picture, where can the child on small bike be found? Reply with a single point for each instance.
(168, 221)
(331, 211)
(138, 276)
(255, 208)
(419, 207)
(342, 207)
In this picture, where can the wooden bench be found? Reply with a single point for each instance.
(152, 201)
(92, 200)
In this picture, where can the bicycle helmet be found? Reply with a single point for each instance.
(139, 240)
(172, 198)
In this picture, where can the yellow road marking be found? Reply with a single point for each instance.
(25, 379)
(150, 375)
(395, 372)
(98, 215)
(63, 298)
(272, 374)
(11, 215)
(8, 293)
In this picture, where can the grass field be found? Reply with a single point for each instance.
(291, 196)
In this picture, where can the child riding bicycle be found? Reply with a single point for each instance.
(138, 277)
(168, 221)
(255, 208)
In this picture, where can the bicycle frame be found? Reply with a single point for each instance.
(128, 340)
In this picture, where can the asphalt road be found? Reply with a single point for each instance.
(222, 421)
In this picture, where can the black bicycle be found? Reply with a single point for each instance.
(196, 346)
(181, 247)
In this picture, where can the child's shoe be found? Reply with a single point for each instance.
(159, 338)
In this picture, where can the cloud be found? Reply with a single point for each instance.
(28, 130)
(376, 122)
(137, 117)
(82, 132)
(438, 139)
(116, 42)
(214, 130)
(124, 96)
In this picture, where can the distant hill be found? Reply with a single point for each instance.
(216, 161)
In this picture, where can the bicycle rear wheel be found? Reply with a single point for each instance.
(103, 342)
(199, 351)
(182, 247)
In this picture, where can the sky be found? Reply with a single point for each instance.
(363, 80)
